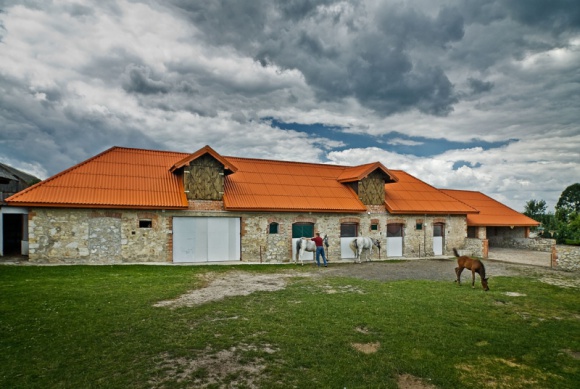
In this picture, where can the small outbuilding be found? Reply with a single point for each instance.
(13, 220)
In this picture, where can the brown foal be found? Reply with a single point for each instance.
(473, 264)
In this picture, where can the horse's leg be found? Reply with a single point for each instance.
(297, 253)
(458, 271)
(472, 277)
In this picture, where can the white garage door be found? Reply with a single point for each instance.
(206, 239)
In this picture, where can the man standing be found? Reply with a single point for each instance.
(319, 249)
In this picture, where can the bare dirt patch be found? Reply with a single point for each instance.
(209, 368)
(366, 348)
(407, 381)
(230, 284)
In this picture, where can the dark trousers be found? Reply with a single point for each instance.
(319, 252)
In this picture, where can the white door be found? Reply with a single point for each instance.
(394, 240)
(345, 250)
(205, 239)
(395, 247)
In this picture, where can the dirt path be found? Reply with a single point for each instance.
(238, 283)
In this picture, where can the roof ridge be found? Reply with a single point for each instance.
(293, 162)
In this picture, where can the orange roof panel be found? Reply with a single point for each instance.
(264, 185)
(117, 178)
(411, 195)
(491, 212)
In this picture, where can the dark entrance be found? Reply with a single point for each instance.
(12, 234)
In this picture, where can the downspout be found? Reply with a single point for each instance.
(425, 235)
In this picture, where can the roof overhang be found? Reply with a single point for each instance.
(357, 173)
(95, 206)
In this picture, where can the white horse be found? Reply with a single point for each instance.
(305, 244)
(361, 244)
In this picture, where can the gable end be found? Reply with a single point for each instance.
(371, 189)
(203, 179)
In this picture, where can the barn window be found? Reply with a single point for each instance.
(145, 223)
(348, 230)
(374, 227)
(300, 230)
(438, 229)
(419, 226)
(394, 230)
(273, 228)
(472, 232)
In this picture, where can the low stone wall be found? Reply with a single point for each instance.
(535, 244)
(567, 258)
(473, 247)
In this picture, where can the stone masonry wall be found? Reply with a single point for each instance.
(115, 236)
(568, 258)
(516, 239)
(88, 236)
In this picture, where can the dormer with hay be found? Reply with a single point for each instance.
(203, 174)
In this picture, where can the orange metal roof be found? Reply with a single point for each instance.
(263, 185)
(491, 212)
(117, 178)
(411, 195)
(147, 179)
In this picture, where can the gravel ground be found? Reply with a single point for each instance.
(433, 269)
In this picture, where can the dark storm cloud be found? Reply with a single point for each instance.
(555, 15)
(139, 80)
(479, 86)
(373, 63)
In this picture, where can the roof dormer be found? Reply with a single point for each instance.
(203, 174)
(368, 181)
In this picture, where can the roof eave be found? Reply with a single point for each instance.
(91, 206)
(301, 210)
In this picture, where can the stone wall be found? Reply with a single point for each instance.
(115, 236)
(474, 248)
(567, 258)
(419, 242)
(508, 238)
(87, 236)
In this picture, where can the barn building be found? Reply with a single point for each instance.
(134, 205)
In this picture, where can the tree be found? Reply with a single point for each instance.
(568, 206)
(535, 208)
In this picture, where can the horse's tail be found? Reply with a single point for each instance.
(455, 252)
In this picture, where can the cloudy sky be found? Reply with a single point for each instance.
(465, 94)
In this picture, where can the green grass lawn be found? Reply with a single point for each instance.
(96, 326)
